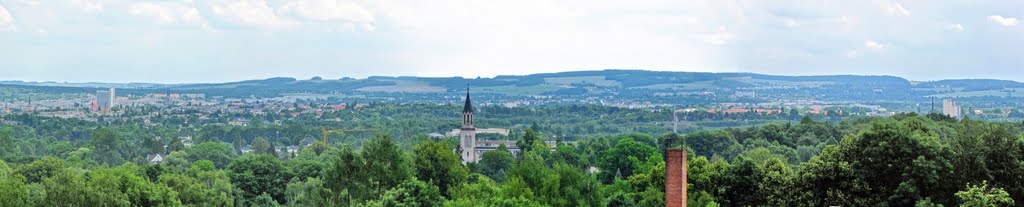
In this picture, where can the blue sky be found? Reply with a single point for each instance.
(175, 41)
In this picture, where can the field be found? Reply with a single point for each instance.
(596, 80)
(699, 85)
(764, 82)
(406, 87)
(521, 90)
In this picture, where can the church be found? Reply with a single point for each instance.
(471, 149)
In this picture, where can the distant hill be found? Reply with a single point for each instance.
(635, 84)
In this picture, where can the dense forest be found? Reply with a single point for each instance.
(905, 160)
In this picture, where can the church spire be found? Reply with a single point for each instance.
(468, 108)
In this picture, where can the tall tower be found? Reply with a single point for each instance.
(675, 177)
(106, 99)
(467, 134)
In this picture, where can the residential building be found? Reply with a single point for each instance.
(950, 108)
(106, 99)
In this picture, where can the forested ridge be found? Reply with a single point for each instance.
(905, 160)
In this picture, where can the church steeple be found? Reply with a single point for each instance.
(468, 108)
(467, 135)
(467, 112)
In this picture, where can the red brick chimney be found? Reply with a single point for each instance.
(675, 178)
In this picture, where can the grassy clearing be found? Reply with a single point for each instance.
(405, 86)
(764, 82)
(521, 90)
(699, 85)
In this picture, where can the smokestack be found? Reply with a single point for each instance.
(933, 106)
(675, 178)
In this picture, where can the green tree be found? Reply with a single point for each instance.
(175, 145)
(709, 143)
(177, 160)
(902, 162)
(828, 180)
(568, 186)
(485, 192)
(263, 200)
(346, 176)
(983, 196)
(530, 138)
(704, 176)
(81, 158)
(6, 144)
(516, 187)
(649, 187)
(318, 148)
(5, 170)
(988, 151)
(438, 164)
(259, 174)
(66, 187)
(386, 164)
(108, 146)
(193, 192)
(619, 161)
(261, 145)
(219, 153)
(740, 184)
(621, 199)
(568, 154)
(14, 192)
(122, 186)
(153, 145)
(308, 193)
(496, 163)
(531, 169)
(217, 181)
(777, 183)
(807, 120)
(411, 193)
(40, 169)
(306, 165)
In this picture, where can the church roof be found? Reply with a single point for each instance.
(469, 106)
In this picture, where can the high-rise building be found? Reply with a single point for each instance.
(950, 108)
(105, 99)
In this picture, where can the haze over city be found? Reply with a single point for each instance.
(190, 41)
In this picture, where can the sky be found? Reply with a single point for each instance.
(189, 41)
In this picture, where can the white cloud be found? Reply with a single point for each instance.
(6, 20)
(169, 13)
(88, 6)
(871, 44)
(1005, 21)
(791, 23)
(328, 10)
(30, 2)
(957, 27)
(346, 13)
(895, 9)
(252, 13)
(852, 54)
(723, 36)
